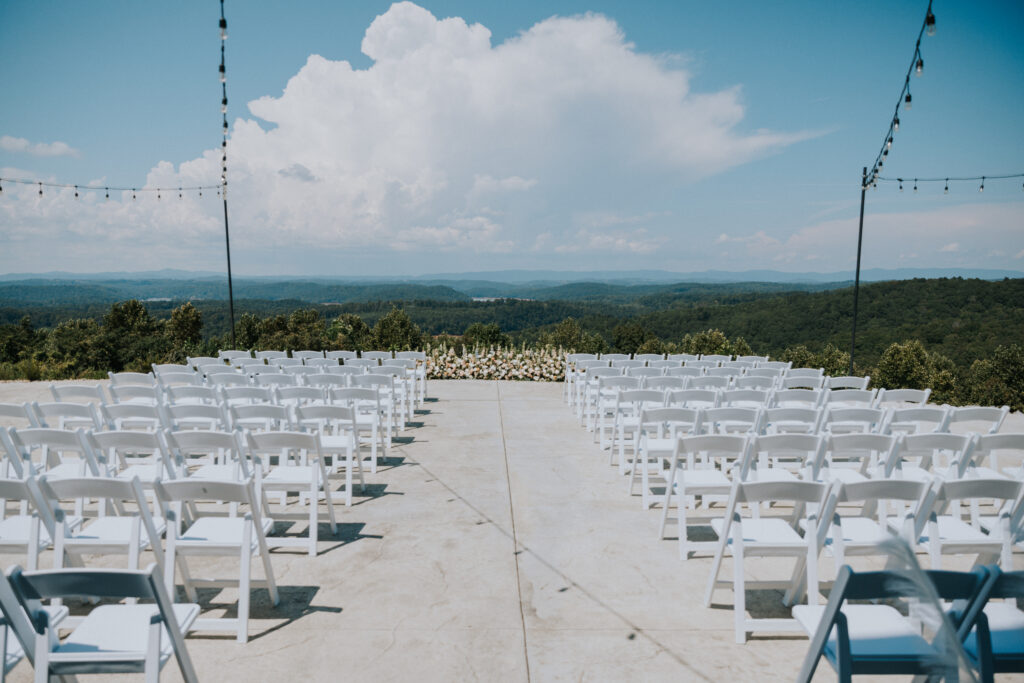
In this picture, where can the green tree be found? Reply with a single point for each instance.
(185, 325)
(348, 331)
(904, 366)
(999, 379)
(247, 331)
(132, 338)
(568, 335)
(706, 342)
(73, 348)
(395, 331)
(484, 335)
(629, 336)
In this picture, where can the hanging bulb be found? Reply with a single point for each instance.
(179, 193)
(76, 189)
(200, 193)
(906, 102)
(929, 22)
(225, 127)
(133, 193)
(107, 191)
(1, 189)
(158, 194)
(40, 189)
(901, 184)
(223, 75)
(223, 29)
(915, 184)
(888, 143)
(224, 106)
(896, 124)
(982, 187)
(946, 191)
(919, 69)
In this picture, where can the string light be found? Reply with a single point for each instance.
(76, 191)
(77, 187)
(40, 189)
(916, 66)
(946, 191)
(946, 180)
(901, 184)
(915, 184)
(981, 188)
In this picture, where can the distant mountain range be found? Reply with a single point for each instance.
(546, 278)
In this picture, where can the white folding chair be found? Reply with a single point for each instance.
(990, 418)
(902, 398)
(29, 529)
(195, 416)
(700, 466)
(300, 470)
(216, 455)
(65, 415)
(745, 536)
(703, 399)
(660, 431)
(119, 638)
(922, 456)
(854, 457)
(370, 418)
(340, 355)
(298, 396)
(270, 355)
(726, 420)
(178, 379)
(847, 382)
(917, 419)
(131, 454)
(336, 426)
(58, 452)
(263, 417)
(232, 354)
(20, 414)
(138, 416)
(630, 404)
(307, 355)
(150, 395)
(839, 420)
(246, 395)
(142, 379)
(116, 530)
(959, 530)
(242, 536)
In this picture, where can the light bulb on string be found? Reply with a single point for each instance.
(1, 188)
(40, 189)
(919, 69)
(224, 106)
(107, 190)
(179, 193)
(76, 190)
(223, 29)
(946, 191)
(158, 194)
(888, 143)
(223, 76)
(981, 188)
(133, 194)
(896, 124)
(929, 22)
(901, 184)
(915, 184)
(906, 102)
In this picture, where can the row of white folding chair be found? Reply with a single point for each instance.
(121, 529)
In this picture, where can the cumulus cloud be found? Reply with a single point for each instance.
(450, 142)
(38, 149)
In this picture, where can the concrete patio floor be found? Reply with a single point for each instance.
(496, 544)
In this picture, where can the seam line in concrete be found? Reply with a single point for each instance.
(515, 537)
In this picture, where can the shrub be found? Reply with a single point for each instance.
(395, 331)
(484, 335)
(998, 380)
(904, 366)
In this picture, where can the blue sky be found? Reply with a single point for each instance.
(676, 135)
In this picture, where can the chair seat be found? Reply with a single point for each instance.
(846, 475)
(217, 472)
(862, 531)
(68, 469)
(112, 530)
(298, 476)
(703, 479)
(335, 443)
(776, 532)
(118, 633)
(953, 530)
(219, 532)
(770, 474)
(1006, 624)
(14, 530)
(877, 632)
(147, 474)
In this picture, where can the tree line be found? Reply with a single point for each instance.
(130, 337)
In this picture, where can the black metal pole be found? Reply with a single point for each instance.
(856, 279)
(227, 244)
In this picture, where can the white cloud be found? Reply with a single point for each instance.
(38, 149)
(952, 247)
(446, 142)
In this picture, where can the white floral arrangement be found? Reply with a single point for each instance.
(545, 364)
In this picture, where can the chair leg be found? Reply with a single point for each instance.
(152, 666)
(739, 592)
(244, 584)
